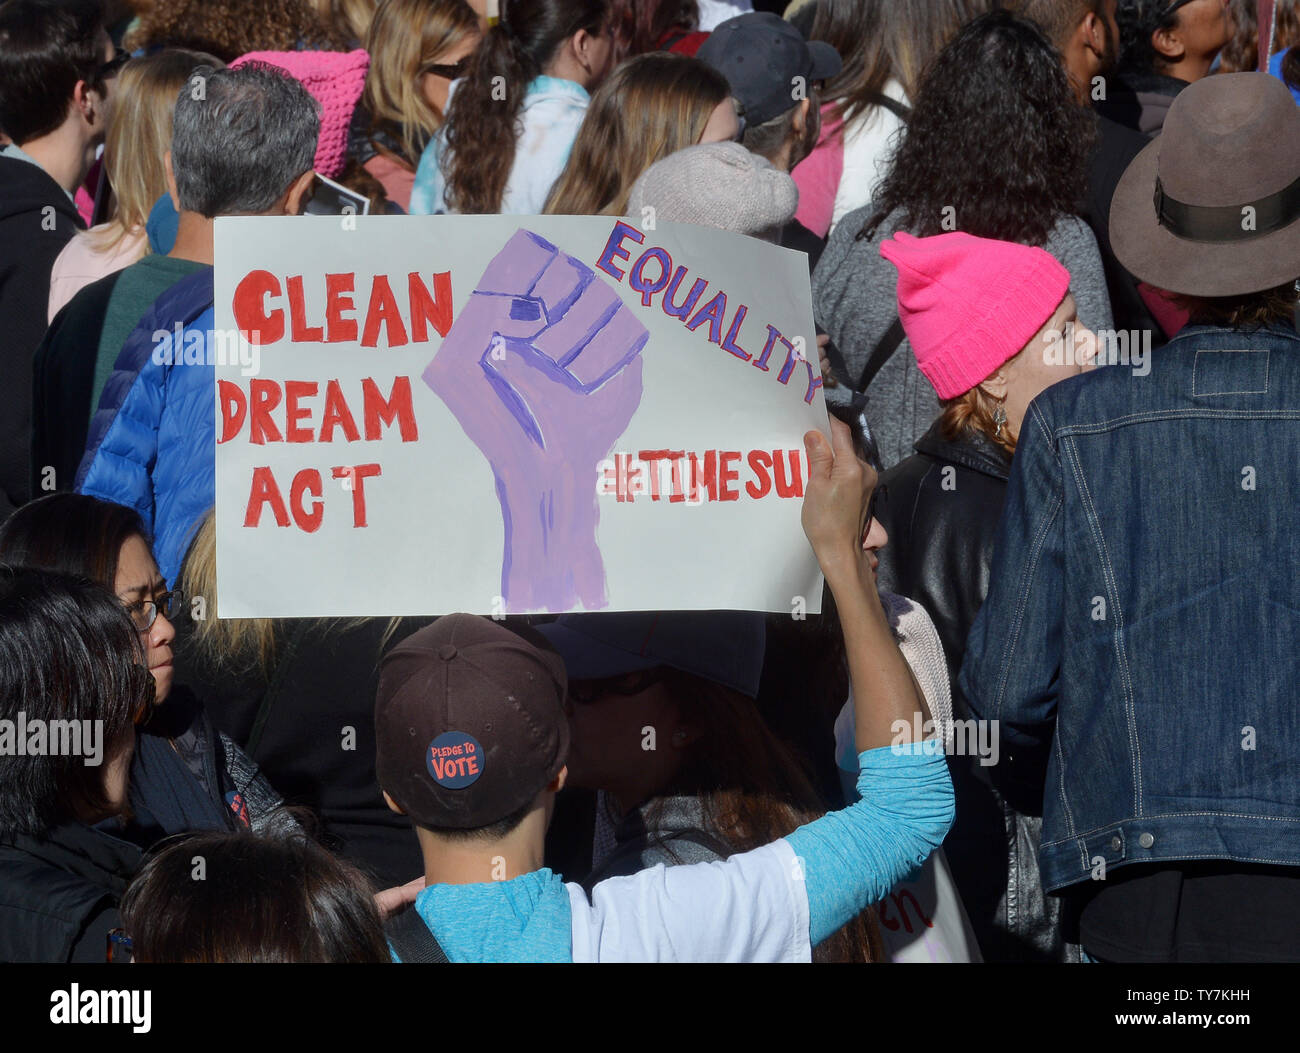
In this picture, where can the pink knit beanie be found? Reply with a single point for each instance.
(335, 80)
(970, 304)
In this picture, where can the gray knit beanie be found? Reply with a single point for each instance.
(719, 185)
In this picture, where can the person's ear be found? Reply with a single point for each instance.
(580, 42)
(1093, 32)
(298, 193)
(89, 103)
(995, 384)
(556, 784)
(393, 805)
(1168, 44)
(801, 118)
(172, 192)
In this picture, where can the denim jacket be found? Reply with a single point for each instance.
(1143, 617)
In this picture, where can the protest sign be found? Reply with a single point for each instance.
(504, 414)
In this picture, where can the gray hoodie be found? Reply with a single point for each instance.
(854, 294)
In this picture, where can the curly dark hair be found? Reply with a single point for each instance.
(228, 29)
(1138, 20)
(996, 135)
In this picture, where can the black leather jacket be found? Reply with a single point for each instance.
(941, 507)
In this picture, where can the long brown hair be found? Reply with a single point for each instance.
(405, 36)
(639, 25)
(651, 106)
(752, 789)
(349, 18)
(876, 44)
(483, 114)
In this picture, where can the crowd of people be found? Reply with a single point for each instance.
(1054, 262)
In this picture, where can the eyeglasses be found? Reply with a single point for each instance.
(588, 691)
(117, 938)
(1174, 7)
(145, 613)
(449, 71)
(112, 67)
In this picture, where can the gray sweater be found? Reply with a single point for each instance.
(854, 295)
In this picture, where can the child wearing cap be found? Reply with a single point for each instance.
(472, 741)
(991, 324)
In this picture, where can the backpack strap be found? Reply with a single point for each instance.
(889, 342)
(892, 338)
(412, 940)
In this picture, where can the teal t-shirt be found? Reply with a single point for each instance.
(527, 919)
(138, 286)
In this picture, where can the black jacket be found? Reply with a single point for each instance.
(36, 220)
(941, 507)
(59, 895)
(63, 379)
(1116, 147)
(309, 724)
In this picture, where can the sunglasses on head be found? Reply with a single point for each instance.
(450, 71)
(107, 70)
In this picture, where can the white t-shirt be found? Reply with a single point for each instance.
(750, 908)
(715, 12)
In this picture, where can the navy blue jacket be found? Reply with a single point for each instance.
(152, 442)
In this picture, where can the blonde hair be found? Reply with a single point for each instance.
(350, 18)
(405, 36)
(139, 135)
(223, 641)
(649, 107)
(237, 643)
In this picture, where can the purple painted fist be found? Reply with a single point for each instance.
(542, 371)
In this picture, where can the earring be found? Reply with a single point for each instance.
(1000, 419)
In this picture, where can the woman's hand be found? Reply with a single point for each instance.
(396, 899)
(836, 503)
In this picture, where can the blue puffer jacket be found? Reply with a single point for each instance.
(152, 444)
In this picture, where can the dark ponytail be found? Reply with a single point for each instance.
(1291, 68)
(483, 115)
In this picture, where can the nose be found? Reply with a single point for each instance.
(877, 536)
(162, 632)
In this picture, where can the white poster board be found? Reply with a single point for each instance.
(502, 414)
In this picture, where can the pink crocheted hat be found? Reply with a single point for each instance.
(335, 80)
(970, 304)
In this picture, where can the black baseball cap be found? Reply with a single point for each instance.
(761, 54)
(469, 722)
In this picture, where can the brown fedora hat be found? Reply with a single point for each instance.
(1212, 206)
